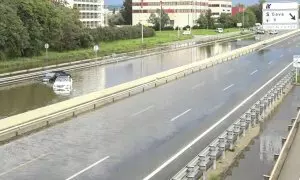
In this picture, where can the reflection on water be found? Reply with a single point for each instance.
(25, 97)
(269, 145)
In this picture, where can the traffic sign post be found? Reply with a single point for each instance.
(46, 47)
(296, 64)
(96, 49)
(280, 15)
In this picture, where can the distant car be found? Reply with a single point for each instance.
(273, 32)
(63, 83)
(51, 76)
(186, 32)
(219, 30)
(260, 31)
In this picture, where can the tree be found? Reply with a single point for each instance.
(209, 19)
(249, 18)
(226, 20)
(257, 10)
(160, 18)
(115, 19)
(202, 21)
(13, 35)
(126, 12)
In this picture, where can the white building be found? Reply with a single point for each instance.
(220, 6)
(91, 12)
(181, 12)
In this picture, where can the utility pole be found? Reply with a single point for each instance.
(243, 16)
(142, 3)
(160, 15)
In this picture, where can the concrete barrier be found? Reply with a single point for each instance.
(14, 124)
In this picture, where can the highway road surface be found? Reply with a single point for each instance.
(130, 139)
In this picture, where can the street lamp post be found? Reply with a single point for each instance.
(142, 22)
(160, 15)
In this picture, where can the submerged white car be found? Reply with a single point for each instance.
(63, 84)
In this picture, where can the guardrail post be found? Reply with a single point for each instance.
(283, 141)
(222, 146)
(248, 118)
(236, 130)
(276, 157)
(213, 155)
(243, 125)
(202, 165)
(253, 117)
(293, 120)
(229, 138)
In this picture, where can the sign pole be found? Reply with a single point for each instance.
(296, 75)
(142, 3)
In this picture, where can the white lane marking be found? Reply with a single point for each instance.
(229, 71)
(176, 117)
(281, 55)
(228, 87)
(143, 110)
(253, 72)
(87, 168)
(198, 85)
(181, 151)
(270, 62)
(24, 164)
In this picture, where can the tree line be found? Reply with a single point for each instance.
(26, 25)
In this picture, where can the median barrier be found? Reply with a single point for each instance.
(207, 159)
(95, 99)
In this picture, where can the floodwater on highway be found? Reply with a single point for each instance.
(31, 95)
(259, 159)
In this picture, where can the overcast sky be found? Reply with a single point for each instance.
(113, 2)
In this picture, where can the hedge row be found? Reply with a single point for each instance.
(120, 33)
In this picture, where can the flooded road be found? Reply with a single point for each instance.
(31, 95)
(258, 160)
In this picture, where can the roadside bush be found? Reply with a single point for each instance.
(186, 27)
(196, 27)
(119, 33)
(167, 28)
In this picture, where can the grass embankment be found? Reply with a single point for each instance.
(106, 48)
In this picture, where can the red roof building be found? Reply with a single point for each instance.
(237, 9)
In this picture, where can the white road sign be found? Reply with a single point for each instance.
(96, 48)
(46, 46)
(296, 61)
(280, 15)
(283, 17)
(280, 5)
(239, 24)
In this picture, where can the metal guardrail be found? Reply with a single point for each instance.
(285, 149)
(208, 157)
(17, 76)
